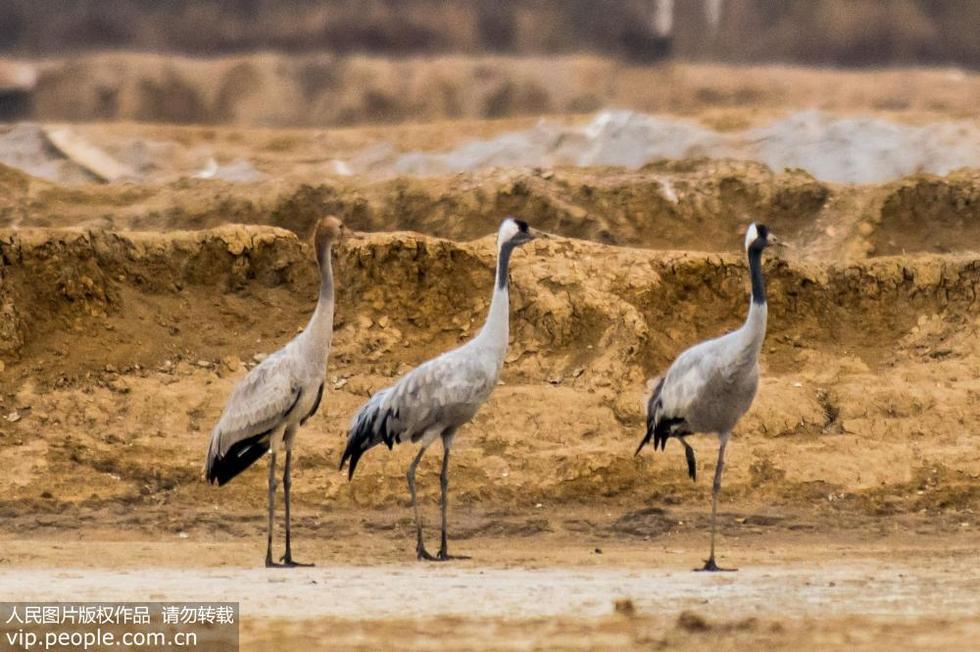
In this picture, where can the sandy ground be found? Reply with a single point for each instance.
(852, 489)
(545, 591)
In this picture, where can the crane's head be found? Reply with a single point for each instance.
(328, 230)
(758, 237)
(514, 233)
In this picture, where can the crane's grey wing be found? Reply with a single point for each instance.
(675, 394)
(446, 391)
(689, 376)
(710, 385)
(258, 404)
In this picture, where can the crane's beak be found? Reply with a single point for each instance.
(537, 234)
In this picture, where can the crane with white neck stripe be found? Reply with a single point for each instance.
(712, 384)
(438, 397)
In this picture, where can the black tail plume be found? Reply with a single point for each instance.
(221, 469)
(645, 440)
(370, 428)
(653, 405)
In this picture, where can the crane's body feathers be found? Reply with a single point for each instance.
(435, 397)
(316, 406)
(709, 387)
(267, 402)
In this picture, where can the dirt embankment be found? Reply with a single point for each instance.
(105, 333)
(697, 205)
(325, 90)
(945, 212)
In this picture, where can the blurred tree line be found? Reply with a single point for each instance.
(826, 32)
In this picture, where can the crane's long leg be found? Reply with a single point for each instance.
(287, 482)
(272, 508)
(710, 564)
(420, 544)
(444, 555)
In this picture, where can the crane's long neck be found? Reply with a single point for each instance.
(755, 324)
(320, 328)
(496, 331)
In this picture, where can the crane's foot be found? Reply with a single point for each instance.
(423, 554)
(271, 564)
(288, 562)
(711, 567)
(445, 556)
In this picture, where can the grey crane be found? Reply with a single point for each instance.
(277, 397)
(436, 398)
(712, 384)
